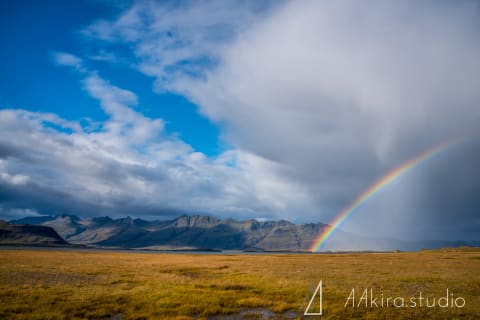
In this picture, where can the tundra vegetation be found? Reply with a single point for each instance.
(61, 284)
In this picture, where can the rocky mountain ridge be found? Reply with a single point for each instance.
(200, 231)
(207, 232)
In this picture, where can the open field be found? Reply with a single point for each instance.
(37, 284)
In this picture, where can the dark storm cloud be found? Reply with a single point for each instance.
(449, 194)
(7, 151)
(18, 201)
(337, 93)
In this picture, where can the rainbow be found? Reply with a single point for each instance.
(373, 189)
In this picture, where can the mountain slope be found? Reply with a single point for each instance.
(24, 234)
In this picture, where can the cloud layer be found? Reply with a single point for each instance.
(318, 98)
(126, 165)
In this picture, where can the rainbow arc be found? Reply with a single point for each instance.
(388, 178)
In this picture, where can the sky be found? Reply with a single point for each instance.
(243, 109)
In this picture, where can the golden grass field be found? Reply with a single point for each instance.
(49, 284)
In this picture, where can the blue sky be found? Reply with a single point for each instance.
(243, 109)
(32, 80)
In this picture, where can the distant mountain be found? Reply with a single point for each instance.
(197, 231)
(206, 232)
(24, 234)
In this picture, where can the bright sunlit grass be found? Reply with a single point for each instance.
(37, 284)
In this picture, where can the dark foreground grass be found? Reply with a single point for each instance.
(36, 284)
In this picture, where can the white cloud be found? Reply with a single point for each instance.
(129, 165)
(16, 179)
(69, 60)
(105, 56)
(335, 94)
(176, 40)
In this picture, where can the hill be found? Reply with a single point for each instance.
(24, 234)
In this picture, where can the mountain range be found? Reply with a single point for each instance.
(188, 232)
(200, 232)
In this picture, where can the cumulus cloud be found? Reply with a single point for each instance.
(334, 93)
(128, 165)
(69, 60)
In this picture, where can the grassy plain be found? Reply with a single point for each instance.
(37, 284)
